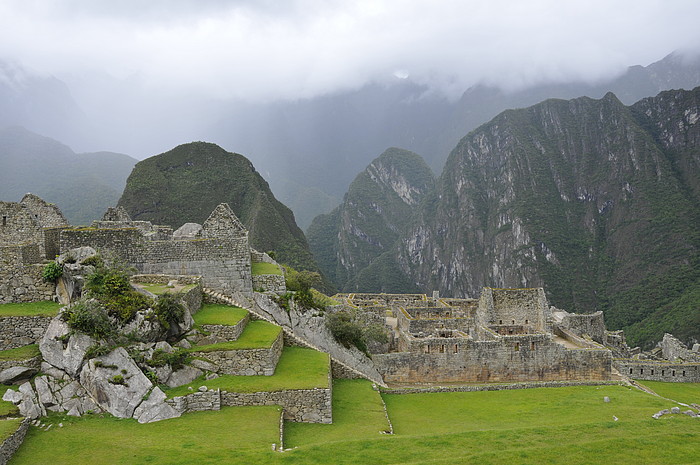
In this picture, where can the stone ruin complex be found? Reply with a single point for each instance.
(505, 336)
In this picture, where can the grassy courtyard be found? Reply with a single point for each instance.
(44, 308)
(298, 368)
(682, 392)
(215, 314)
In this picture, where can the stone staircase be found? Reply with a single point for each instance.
(289, 335)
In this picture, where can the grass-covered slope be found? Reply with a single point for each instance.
(186, 183)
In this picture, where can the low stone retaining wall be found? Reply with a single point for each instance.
(497, 387)
(343, 372)
(12, 443)
(227, 332)
(20, 331)
(302, 405)
(34, 362)
(246, 362)
(269, 283)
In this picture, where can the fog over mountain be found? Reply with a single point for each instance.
(312, 91)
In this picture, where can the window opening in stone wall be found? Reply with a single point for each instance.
(673, 373)
(456, 348)
(663, 372)
(517, 346)
(641, 371)
(525, 321)
(442, 349)
(630, 370)
(513, 321)
(652, 371)
(532, 346)
(500, 322)
(4, 221)
(683, 372)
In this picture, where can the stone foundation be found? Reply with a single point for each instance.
(12, 443)
(246, 362)
(19, 331)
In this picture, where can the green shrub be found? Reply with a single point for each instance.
(94, 260)
(89, 318)
(176, 359)
(346, 330)
(52, 271)
(111, 287)
(169, 309)
(118, 379)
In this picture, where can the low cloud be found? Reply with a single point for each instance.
(261, 51)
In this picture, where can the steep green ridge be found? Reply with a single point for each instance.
(186, 183)
(379, 205)
(82, 185)
(593, 200)
(596, 201)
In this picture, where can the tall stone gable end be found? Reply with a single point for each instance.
(223, 223)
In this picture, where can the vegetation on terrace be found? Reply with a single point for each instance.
(256, 335)
(259, 268)
(298, 368)
(216, 314)
(44, 308)
(20, 353)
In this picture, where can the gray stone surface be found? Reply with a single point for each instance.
(155, 408)
(118, 399)
(188, 231)
(67, 357)
(14, 375)
(184, 375)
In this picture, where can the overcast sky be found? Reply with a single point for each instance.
(264, 50)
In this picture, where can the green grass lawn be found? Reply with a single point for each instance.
(358, 413)
(231, 435)
(568, 426)
(256, 335)
(215, 314)
(20, 353)
(8, 426)
(298, 368)
(44, 308)
(682, 392)
(265, 268)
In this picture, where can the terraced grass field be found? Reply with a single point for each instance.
(44, 308)
(568, 426)
(682, 392)
(215, 314)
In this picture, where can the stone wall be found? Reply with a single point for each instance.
(497, 387)
(507, 359)
(20, 276)
(302, 405)
(34, 362)
(585, 324)
(514, 307)
(269, 283)
(222, 262)
(340, 371)
(10, 445)
(650, 370)
(227, 332)
(422, 322)
(245, 362)
(19, 331)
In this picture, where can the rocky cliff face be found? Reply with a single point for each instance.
(593, 200)
(378, 207)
